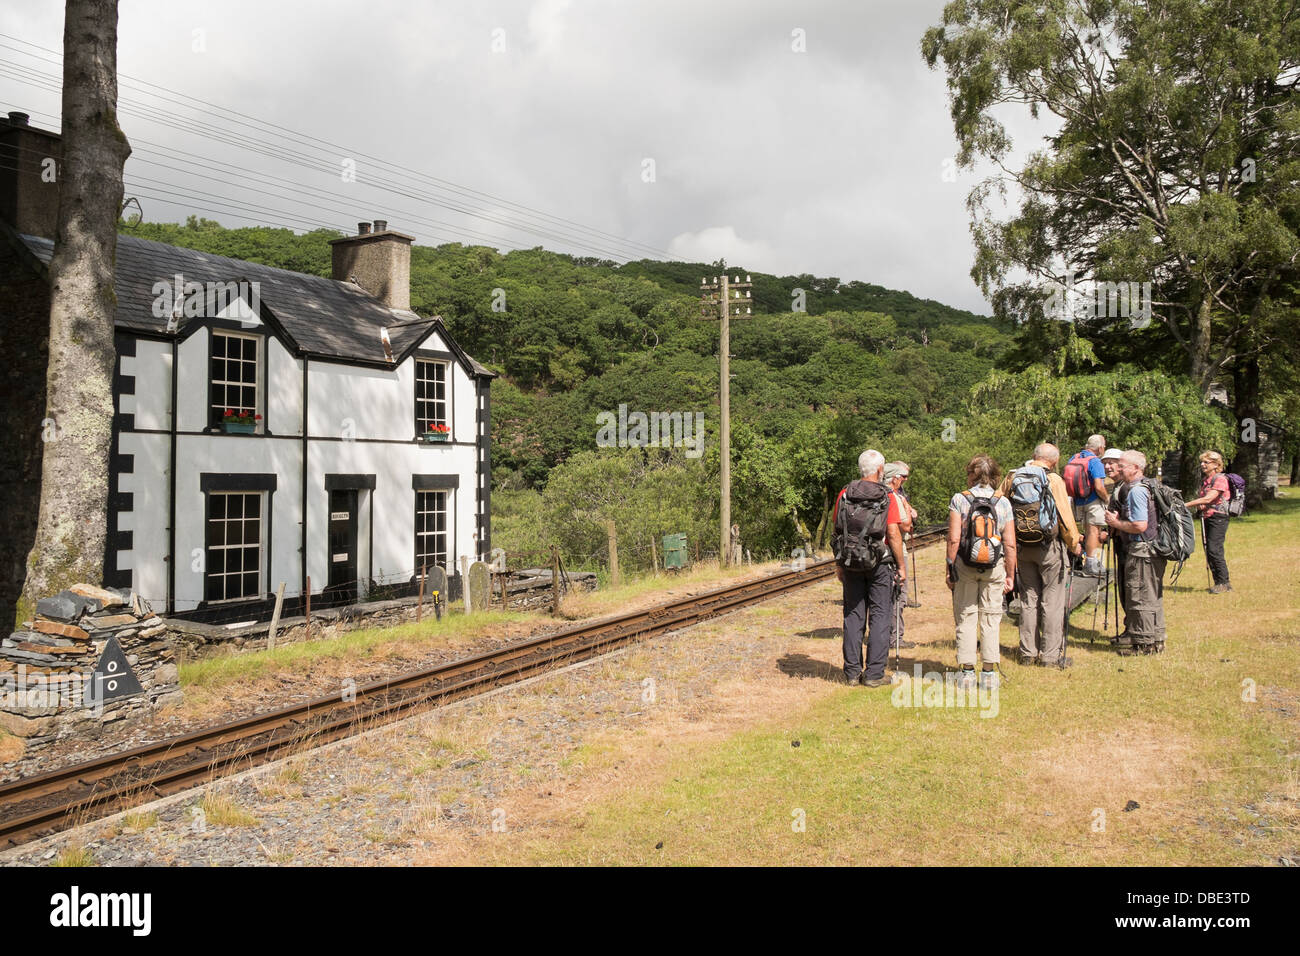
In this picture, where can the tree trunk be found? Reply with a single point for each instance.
(1201, 339)
(1295, 468)
(1245, 397)
(72, 523)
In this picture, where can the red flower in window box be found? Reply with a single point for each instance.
(436, 431)
(240, 421)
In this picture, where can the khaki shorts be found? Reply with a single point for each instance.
(1093, 513)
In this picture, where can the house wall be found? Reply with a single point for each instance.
(361, 421)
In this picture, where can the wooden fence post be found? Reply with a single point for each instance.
(555, 582)
(613, 553)
(275, 618)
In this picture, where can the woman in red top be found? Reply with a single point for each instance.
(1213, 506)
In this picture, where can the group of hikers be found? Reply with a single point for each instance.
(1029, 532)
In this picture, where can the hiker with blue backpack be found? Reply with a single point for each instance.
(1085, 480)
(1214, 503)
(1046, 536)
(981, 569)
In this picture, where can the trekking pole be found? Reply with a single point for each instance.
(1069, 606)
(1105, 588)
(898, 618)
(916, 602)
(1092, 635)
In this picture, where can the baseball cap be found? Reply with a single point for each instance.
(893, 470)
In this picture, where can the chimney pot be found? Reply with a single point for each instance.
(381, 225)
(18, 119)
(363, 228)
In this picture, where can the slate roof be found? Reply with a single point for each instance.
(324, 317)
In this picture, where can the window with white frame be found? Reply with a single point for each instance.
(431, 397)
(234, 553)
(233, 375)
(431, 529)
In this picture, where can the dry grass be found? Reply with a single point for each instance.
(220, 809)
(73, 856)
(1210, 777)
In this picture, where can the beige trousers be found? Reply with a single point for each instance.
(977, 599)
(1043, 570)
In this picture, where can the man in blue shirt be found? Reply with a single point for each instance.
(1085, 472)
(1136, 522)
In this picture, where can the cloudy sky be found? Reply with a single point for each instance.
(785, 137)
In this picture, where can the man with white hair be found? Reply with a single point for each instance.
(1136, 522)
(1045, 537)
(1085, 480)
(868, 550)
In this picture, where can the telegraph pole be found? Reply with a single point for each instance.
(725, 295)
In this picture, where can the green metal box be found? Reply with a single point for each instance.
(675, 555)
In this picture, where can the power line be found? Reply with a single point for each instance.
(227, 137)
(556, 227)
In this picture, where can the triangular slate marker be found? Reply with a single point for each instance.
(113, 675)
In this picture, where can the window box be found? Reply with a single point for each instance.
(236, 428)
(431, 437)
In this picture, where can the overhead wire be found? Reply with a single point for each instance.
(555, 228)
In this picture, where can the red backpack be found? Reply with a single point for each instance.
(1077, 482)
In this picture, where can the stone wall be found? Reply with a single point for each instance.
(49, 685)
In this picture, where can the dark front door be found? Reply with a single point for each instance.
(343, 544)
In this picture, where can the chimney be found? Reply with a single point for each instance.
(30, 161)
(379, 261)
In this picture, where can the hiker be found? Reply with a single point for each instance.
(897, 472)
(1111, 462)
(868, 549)
(1046, 536)
(1212, 505)
(1135, 522)
(1085, 479)
(981, 568)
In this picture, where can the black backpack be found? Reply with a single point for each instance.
(859, 537)
(981, 537)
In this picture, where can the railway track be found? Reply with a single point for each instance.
(80, 793)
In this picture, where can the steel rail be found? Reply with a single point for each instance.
(80, 793)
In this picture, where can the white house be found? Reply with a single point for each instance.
(337, 481)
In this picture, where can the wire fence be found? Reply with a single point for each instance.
(511, 574)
